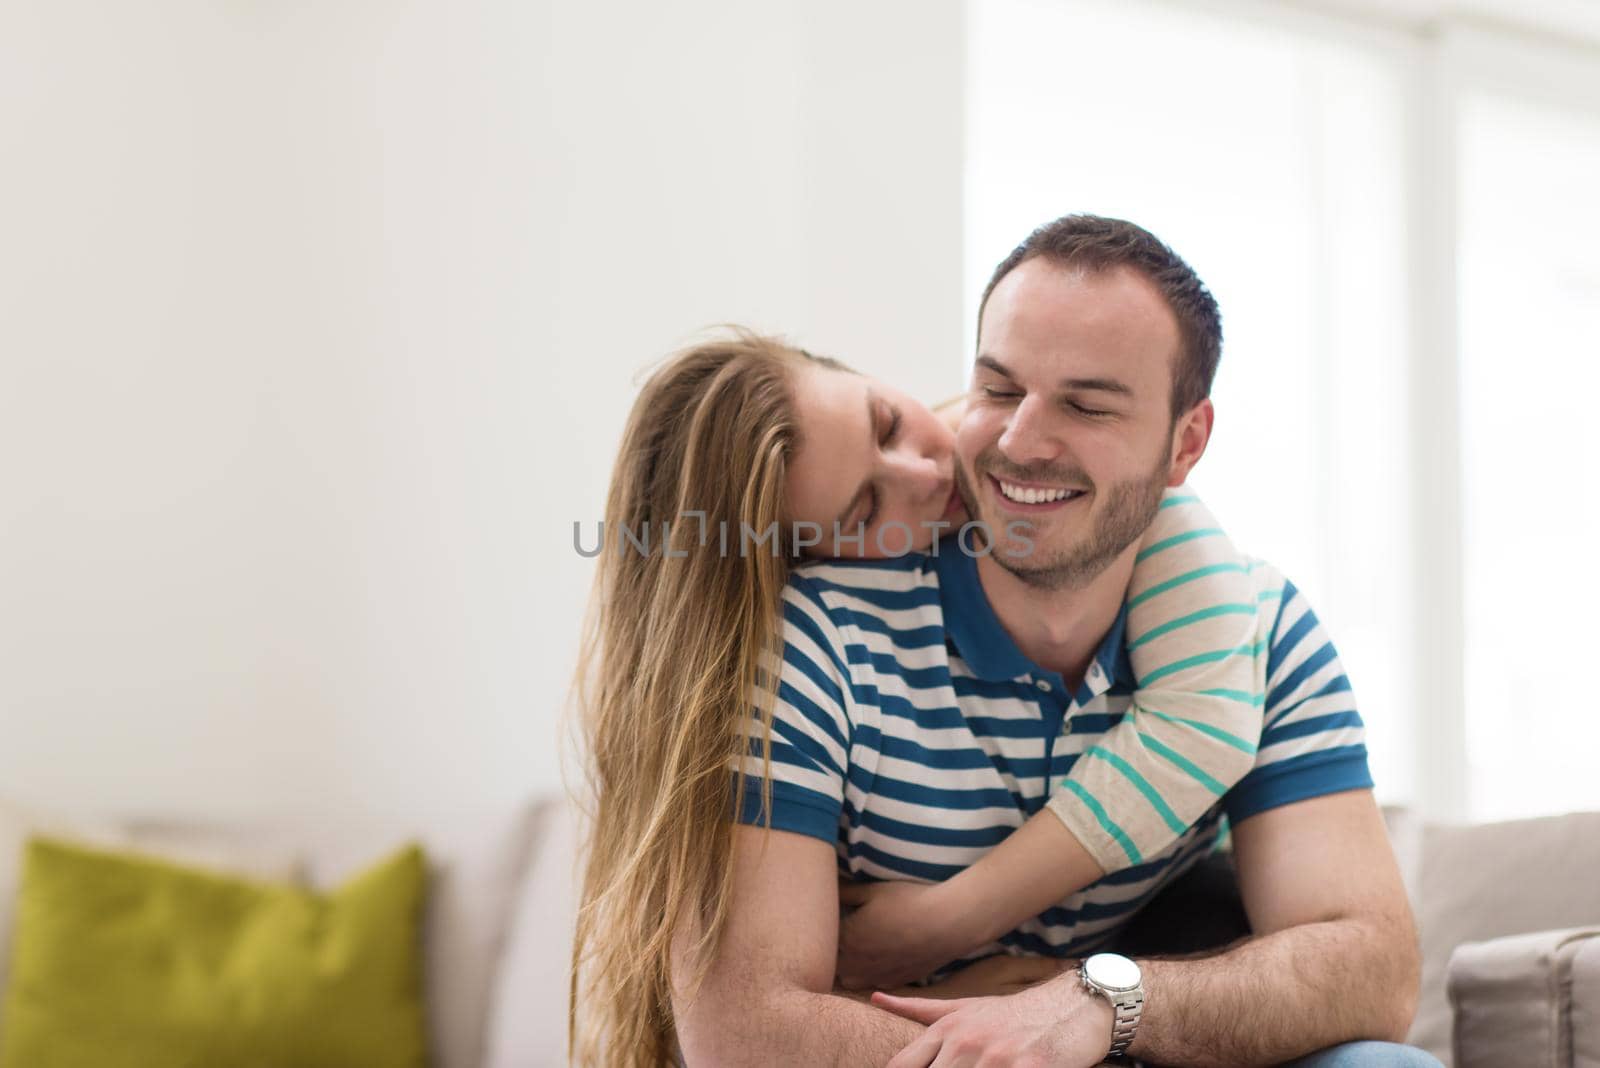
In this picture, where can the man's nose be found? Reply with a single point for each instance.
(1029, 435)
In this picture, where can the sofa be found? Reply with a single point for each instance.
(499, 914)
(1509, 915)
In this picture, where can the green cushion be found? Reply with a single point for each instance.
(123, 961)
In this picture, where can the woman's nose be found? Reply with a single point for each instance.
(921, 475)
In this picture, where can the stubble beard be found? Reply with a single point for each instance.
(1126, 511)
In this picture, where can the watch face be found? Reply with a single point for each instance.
(1112, 970)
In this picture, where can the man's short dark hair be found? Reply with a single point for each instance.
(1094, 243)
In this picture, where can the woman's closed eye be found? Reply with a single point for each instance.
(891, 431)
(889, 420)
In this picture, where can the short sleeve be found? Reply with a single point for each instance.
(1312, 740)
(810, 724)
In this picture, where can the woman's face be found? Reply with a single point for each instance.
(873, 460)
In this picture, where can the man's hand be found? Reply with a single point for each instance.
(896, 933)
(1057, 1024)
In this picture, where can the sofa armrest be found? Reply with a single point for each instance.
(1586, 1005)
(1513, 999)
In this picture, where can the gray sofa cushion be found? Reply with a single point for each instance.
(1475, 883)
(1513, 999)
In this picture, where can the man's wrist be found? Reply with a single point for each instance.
(1105, 1017)
(1118, 982)
(1074, 999)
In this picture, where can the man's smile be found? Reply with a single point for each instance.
(1033, 497)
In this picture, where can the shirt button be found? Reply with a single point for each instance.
(1043, 684)
(1096, 673)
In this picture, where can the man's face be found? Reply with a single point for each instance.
(1068, 424)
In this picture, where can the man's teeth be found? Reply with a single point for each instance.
(1027, 495)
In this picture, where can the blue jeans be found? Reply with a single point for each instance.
(1368, 1055)
(1349, 1055)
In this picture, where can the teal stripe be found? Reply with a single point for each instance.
(1201, 658)
(1186, 764)
(1242, 696)
(1151, 794)
(1172, 502)
(1269, 595)
(1193, 617)
(1177, 539)
(1200, 573)
(1241, 744)
(1105, 821)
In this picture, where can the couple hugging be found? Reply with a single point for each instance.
(863, 794)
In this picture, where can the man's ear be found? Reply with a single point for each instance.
(1189, 440)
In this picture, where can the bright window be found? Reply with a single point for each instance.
(1269, 156)
(1529, 315)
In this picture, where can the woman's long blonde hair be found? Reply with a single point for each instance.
(669, 669)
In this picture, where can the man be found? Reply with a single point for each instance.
(927, 704)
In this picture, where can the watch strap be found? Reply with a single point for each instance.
(1128, 1008)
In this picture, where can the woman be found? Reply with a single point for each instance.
(753, 434)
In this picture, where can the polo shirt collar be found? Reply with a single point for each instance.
(970, 623)
(1113, 657)
(982, 641)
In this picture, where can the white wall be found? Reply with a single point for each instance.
(318, 323)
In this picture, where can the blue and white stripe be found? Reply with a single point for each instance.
(912, 734)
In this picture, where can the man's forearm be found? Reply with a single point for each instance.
(1273, 998)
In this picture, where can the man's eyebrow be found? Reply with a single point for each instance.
(1081, 385)
(1100, 385)
(996, 366)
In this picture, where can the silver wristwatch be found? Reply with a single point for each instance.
(1117, 979)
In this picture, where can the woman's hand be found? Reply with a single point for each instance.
(993, 976)
(898, 932)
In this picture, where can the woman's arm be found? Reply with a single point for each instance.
(1195, 635)
(900, 931)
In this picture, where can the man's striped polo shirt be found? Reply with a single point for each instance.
(913, 734)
